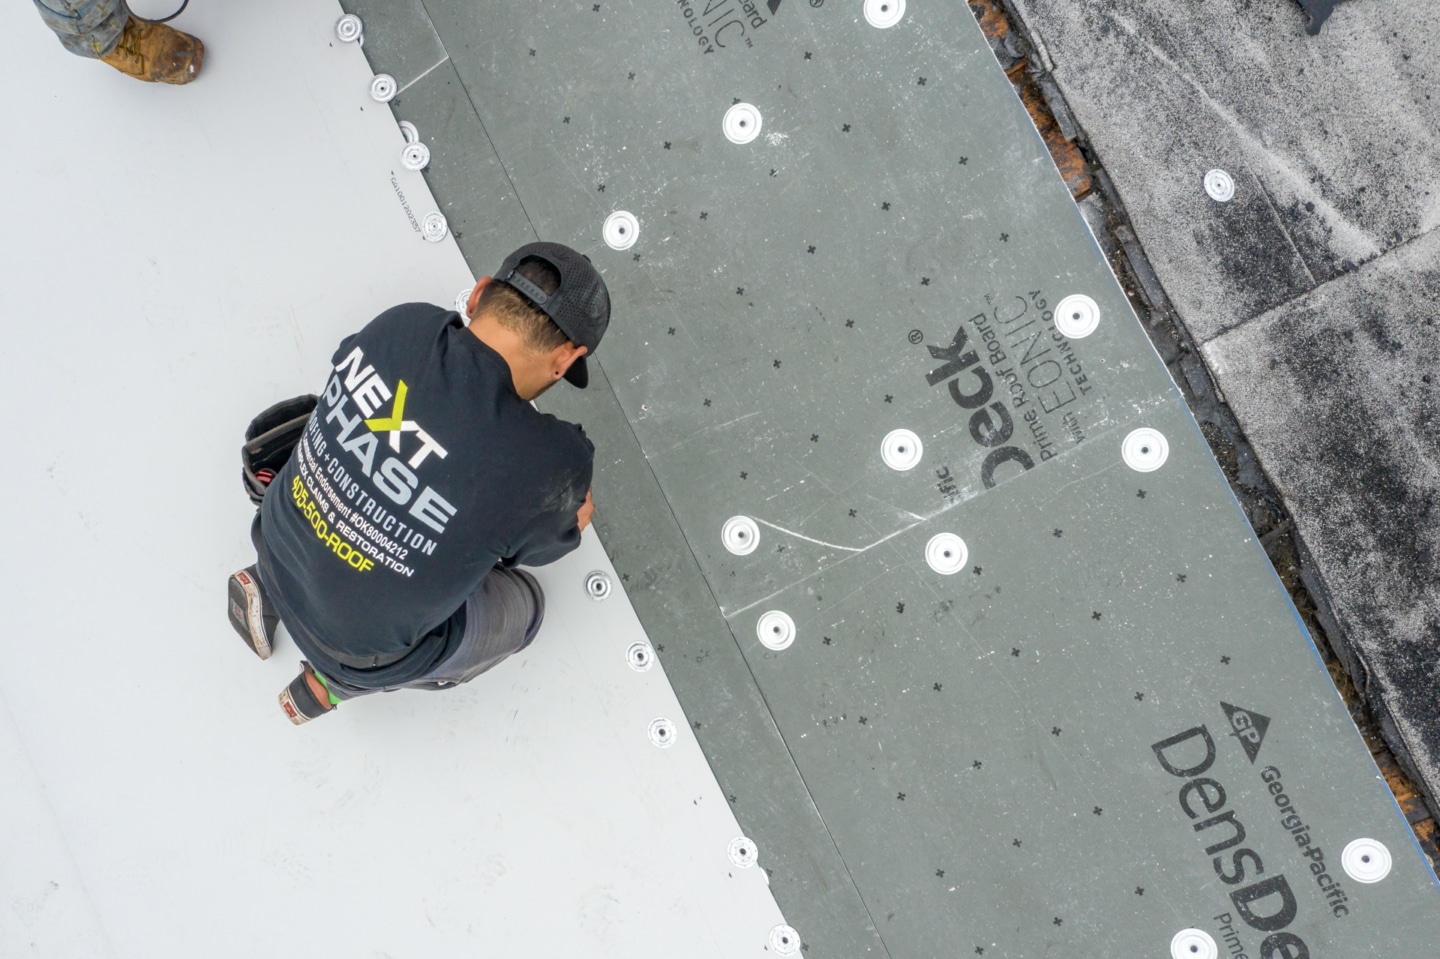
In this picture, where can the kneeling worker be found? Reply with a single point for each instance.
(388, 542)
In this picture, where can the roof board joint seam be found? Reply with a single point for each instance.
(770, 713)
(920, 521)
(443, 60)
(491, 140)
(1260, 317)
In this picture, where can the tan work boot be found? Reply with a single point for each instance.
(155, 52)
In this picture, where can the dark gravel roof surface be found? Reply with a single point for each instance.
(1315, 292)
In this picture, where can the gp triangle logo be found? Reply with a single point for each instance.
(774, 6)
(1248, 727)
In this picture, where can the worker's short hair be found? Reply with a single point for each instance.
(512, 310)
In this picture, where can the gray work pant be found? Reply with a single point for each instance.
(87, 28)
(502, 617)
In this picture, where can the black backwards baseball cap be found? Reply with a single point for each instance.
(580, 306)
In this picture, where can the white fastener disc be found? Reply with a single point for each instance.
(884, 13)
(1366, 860)
(1193, 944)
(1145, 450)
(349, 28)
(901, 450)
(415, 156)
(662, 733)
(640, 657)
(383, 88)
(597, 585)
(946, 553)
(409, 132)
(784, 940)
(1077, 316)
(434, 226)
(742, 123)
(621, 230)
(776, 630)
(462, 300)
(740, 535)
(1220, 185)
(743, 852)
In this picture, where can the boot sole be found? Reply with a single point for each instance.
(287, 703)
(246, 609)
(299, 703)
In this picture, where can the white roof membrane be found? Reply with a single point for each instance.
(176, 259)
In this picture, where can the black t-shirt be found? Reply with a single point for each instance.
(419, 471)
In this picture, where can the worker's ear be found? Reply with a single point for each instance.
(564, 357)
(473, 303)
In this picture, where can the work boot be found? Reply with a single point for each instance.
(155, 52)
(249, 613)
(307, 697)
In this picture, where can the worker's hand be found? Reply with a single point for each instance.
(587, 510)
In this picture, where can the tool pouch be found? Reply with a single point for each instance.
(269, 440)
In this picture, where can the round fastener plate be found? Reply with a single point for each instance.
(415, 156)
(884, 13)
(784, 941)
(1220, 185)
(597, 585)
(1145, 450)
(1366, 860)
(408, 130)
(640, 657)
(383, 88)
(662, 733)
(740, 535)
(349, 28)
(1076, 316)
(620, 230)
(1193, 944)
(946, 553)
(462, 300)
(743, 852)
(901, 450)
(434, 227)
(776, 630)
(742, 123)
